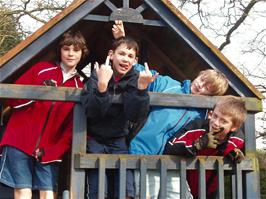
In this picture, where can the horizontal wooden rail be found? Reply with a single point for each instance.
(89, 161)
(14, 91)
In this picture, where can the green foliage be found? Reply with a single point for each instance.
(9, 34)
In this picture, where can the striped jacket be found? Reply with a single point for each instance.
(46, 125)
(182, 143)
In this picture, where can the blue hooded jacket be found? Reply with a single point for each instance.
(163, 122)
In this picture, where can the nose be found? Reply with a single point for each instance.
(200, 84)
(216, 122)
(71, 52)
(125, 58)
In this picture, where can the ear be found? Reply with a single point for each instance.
(233, 128)
(210, 114)
(111, 53)
(136, 60)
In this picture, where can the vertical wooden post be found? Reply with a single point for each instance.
(77, 176)
(252, 181)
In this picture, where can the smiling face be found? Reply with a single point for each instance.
(123, 59)
(200, 86)
(70, 56)
(218, 121)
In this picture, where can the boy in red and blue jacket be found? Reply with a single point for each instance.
(215, 136)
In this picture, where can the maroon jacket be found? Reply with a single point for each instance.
(46, 125)
(182, 143)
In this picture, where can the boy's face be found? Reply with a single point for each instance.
(218, 120)
(200, 86)
(123, 59)
(70, 56)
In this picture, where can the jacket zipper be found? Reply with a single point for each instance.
(44, 127)
(165, 134)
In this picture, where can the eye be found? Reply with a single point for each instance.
(131, 56)
(77, 49)
(65, 48)
(224, 121)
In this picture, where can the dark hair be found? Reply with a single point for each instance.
(74, 38)
(128, 41)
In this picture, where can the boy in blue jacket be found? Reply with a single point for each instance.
(163, 122)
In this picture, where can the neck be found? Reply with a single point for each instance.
(67, 69)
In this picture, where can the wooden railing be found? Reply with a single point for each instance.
(245, 182)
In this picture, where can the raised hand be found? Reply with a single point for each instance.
(207, 140)
(104, 74)
(146, 77)
(118, 29)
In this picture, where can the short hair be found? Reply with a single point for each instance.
(74, 38)
(217, 81)
(128, 41)
(234, 107)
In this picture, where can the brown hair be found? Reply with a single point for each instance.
(217, 81)
(74, 38)
(234, 107)
(128, 41)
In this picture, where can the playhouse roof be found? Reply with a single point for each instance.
(170, 39)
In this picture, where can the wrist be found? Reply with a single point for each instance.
(142, 87)
(197, 145)
(102, 87)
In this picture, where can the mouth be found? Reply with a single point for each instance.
(123, 66)
(217, 130)
(196, 88)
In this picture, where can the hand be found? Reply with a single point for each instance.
(239, 155)
(104, 74)
(38, 154)
(207, 140)
(50, 82)
(146, 77)
(118, 29)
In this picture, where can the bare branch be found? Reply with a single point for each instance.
(238, 23)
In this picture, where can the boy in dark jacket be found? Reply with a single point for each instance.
(216, 136)
(108, 122)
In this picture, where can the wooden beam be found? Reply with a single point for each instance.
(85, 161)
(15, 91)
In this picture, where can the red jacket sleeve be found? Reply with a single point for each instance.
(182, 143)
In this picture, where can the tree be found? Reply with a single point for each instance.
(39, 11)
(9, 36)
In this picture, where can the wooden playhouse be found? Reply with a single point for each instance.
(171, 45)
